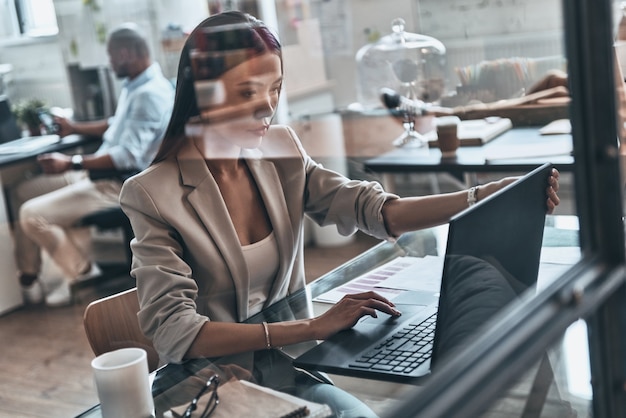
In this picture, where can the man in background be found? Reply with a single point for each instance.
(51, 204)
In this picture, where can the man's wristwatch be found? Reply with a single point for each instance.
(77, 162)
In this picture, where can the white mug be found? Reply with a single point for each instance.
(123, 384)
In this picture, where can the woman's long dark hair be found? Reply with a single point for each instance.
(185, 104)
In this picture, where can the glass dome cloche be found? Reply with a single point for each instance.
(411, 64)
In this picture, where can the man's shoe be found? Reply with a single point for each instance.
(33, 293)
(94, 271)
(60, 295)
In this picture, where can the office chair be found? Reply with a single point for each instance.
(111, 323)
(110, 219)
(105, 220)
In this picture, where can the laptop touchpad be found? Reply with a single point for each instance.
(388, 320)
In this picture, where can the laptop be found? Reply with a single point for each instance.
(11, 140)
(492, 257)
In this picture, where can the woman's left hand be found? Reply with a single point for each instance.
(552, 190)
(552, 200)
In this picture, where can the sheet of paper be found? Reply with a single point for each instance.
(562, 146)
(422, 274)
(369, 281)
(554, 262)
(392, 278)
(557, 127)
(560, 255)
(548, 273)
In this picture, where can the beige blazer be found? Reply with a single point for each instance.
(187, 259)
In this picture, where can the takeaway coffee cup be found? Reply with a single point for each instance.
(447, 135)
(123, 384)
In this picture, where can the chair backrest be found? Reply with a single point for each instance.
(111, 323)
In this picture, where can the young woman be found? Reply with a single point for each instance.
(218, 217)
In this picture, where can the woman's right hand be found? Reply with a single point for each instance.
(346, 313)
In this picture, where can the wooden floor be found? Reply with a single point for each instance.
(45, 357)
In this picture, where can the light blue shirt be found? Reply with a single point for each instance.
(142, 114)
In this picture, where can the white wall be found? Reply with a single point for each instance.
(38, 72)
(360, 16)
(460, 24)
(39, 66)
(458, 19)
(187, 13)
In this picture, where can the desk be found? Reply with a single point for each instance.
(172, 379)
(524, 148)
(66, 143)
(10, 292)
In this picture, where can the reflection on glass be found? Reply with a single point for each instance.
(559, 385)
(475, 291)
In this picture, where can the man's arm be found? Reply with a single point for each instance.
(67, 127)
(56, 162)
(136, 134)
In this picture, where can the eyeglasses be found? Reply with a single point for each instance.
(211, 387)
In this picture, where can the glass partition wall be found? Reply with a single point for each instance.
(561, 351)
(558, 350)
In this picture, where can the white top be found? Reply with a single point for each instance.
(262, 261)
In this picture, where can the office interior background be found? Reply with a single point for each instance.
(54, 50)
(324, 35)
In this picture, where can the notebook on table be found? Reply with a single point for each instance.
(240, 398)
(492, 256)
(11, 140)
(474, 132)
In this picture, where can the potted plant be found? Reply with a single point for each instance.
(27, 113)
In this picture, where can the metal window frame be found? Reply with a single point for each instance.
(594, 288)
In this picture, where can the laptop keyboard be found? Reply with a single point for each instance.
(403, 352)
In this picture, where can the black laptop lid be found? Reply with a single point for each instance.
(8, 124)
(492, 257)
(482, 274)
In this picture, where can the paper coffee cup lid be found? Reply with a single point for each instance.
(448, 120)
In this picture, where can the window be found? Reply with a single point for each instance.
(594, 290)
(31, 18)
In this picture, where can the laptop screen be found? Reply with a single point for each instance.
(485, 273)
(9, 129)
